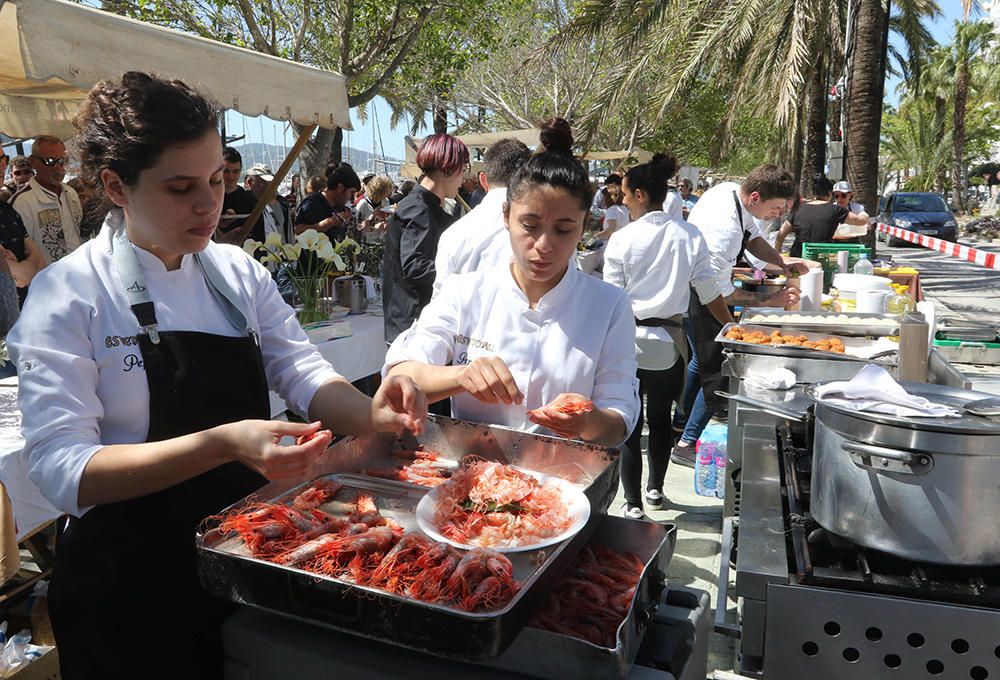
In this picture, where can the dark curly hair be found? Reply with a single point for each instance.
(554, 165)
(125, 124)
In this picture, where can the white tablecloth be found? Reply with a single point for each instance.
(354, 357)
(29, 506)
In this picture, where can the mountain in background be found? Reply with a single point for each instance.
(257, 152)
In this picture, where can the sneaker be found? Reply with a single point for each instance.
(634, 512)
(654, 498)
(683, 455)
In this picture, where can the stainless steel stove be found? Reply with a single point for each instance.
(817, 606)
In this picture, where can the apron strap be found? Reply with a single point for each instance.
(140, 302)
(134, 281)
(225, 293)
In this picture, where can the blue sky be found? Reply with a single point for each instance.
(271, 132)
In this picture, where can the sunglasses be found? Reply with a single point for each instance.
(49, 162)
(18, 173)
(836, 195)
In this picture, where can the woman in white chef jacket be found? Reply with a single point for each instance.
(144, 361)
(505, 340)
(657, 259)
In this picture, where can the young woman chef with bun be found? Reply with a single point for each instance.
(507, 340)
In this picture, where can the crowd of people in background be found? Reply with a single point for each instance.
(671, 245)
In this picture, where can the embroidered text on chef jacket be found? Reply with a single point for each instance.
(81, 379)
(656, 260)
(479, 240)
(717, 219)
(580, 339)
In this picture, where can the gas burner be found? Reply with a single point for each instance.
(823, 558)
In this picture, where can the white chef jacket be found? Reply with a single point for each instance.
(477, 240)
(619, 214)
(81, 380)
(717, 219)
(557, 347)
(656, 260)
(673, 205)
(52, 220)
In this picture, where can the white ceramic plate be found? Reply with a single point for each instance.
(576, 502)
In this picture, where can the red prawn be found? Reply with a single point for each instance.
(316, 494)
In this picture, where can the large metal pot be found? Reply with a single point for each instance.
(926, 489)
(351, 292)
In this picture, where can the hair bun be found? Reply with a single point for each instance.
(664, 164)
(557, 136)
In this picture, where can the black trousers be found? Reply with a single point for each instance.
(659, 390)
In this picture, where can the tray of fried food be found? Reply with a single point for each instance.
(778, 337)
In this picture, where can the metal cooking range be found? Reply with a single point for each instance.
(815, 605)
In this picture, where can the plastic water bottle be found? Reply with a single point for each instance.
(720, 473)
(864, 265)
(704, 470)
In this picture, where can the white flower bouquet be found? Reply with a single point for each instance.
(307, 262)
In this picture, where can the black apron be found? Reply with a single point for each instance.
(704, 329)
(125, 599)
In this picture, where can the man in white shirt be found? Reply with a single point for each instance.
(843, 195)
(50, 210)
(479, 239)
(277, 216)
(730, 216)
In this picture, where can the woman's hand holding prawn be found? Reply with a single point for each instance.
(488, 379)
(568, 415)
(399, 404)
(255, 443)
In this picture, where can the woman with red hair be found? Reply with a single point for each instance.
(414, 230)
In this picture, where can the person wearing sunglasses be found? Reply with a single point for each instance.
(20, 173)
(50, 209)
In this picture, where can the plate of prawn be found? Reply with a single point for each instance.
(487, 504)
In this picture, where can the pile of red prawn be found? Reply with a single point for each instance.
(425, 468)
(489, 504)
(369, 549)
(570, 407)
(593, 596)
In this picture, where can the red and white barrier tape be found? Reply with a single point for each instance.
(980, 257)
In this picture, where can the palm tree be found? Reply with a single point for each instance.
(768, 51)
(970, 40)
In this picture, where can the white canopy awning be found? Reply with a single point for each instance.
(640, 155)
(52, 52)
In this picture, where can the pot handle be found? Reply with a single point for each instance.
(893, 460)
(770, 409)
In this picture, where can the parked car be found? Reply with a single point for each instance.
(919, 211)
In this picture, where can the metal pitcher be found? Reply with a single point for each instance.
(351, 292)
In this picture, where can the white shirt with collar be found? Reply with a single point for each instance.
(52, 220)
(717, 218)
(81, 381)
(618, 214)
(673, 205)
(549, 350)
(479, 240)
(656, 260)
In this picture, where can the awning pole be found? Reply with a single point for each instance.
(272, 188)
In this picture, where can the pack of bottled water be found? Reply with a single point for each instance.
(710, 461)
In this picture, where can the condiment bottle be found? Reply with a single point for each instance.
(913, 348)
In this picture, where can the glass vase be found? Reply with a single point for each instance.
(309, 290)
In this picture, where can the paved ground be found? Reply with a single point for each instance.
(961, 290)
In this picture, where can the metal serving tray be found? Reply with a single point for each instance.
(829, 325)
(545, 654)
(227, 570)
(852, 343)
(593, 467)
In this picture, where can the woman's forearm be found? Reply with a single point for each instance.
(123, 471)
(342, 408)
(604, 427)
(437, 382)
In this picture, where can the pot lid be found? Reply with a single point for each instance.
(940, 394)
